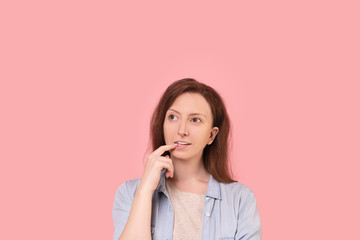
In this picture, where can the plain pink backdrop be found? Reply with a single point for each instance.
(80, 79)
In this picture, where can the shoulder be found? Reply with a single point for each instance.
(236, 188)
(128, 188)
(236, 191)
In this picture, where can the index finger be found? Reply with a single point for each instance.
(163, 149)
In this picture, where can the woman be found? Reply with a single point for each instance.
(186, 191)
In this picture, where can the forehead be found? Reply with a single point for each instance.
(189, 103)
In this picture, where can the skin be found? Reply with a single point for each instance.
(189, 119)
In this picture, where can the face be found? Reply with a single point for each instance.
(188, 122)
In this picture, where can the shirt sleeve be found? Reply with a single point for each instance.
(121, 209)
(249, 226)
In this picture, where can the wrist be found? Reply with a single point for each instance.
(144, 191)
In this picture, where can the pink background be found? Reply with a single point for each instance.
(80, 79)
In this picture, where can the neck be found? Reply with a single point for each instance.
(189, 170)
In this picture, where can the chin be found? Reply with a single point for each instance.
(182, 156)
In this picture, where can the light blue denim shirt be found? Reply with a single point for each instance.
(230, 211)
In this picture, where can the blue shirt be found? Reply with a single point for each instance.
(230, 211)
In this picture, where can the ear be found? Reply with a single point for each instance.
(213, 133)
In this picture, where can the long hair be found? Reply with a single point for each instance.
(215, 155)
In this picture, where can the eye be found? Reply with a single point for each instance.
(172, 117)
(196, 120)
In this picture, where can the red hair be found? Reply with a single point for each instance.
(215, 155)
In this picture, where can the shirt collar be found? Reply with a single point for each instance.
(161, 185)
(213, 189)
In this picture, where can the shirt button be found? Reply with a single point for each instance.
(208, 214)
(207, 198)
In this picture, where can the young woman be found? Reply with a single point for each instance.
(186, 191)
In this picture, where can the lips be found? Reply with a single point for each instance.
(182, 143)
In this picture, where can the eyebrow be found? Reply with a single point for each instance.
(191, 114)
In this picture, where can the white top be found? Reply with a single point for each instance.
(188, 213)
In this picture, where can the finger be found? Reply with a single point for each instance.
(171, 169)
(168, 166)
(169, 174)
(166, 160)
(163, 149)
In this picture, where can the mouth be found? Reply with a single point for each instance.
(179, 143)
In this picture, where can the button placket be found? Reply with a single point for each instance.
(209, 206)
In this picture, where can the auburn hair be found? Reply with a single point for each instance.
(215, 155)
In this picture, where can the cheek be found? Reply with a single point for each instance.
(202, 136)
(168, 130)
(165, 130)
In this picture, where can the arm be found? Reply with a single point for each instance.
(132, 217)
(249, 226)
(138, 224)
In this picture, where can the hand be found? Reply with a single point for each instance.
(154, 164)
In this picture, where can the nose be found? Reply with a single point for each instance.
(183, 130)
